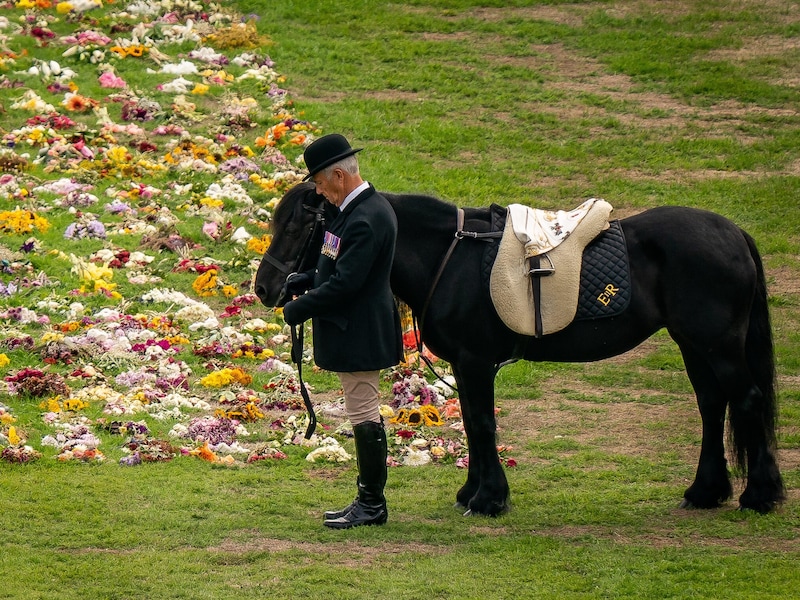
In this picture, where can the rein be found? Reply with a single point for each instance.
(420, 321)
(297, 357)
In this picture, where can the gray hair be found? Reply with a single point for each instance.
(348, 164)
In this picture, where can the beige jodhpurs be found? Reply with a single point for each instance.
(361, 396)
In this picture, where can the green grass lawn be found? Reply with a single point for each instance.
(544, 103)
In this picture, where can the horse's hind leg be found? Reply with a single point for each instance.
(486, 490)
(712, 485)
(724, 378)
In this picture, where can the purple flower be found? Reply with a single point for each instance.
(132, 460)
(97, 229)
(8, 290)
(118, 207)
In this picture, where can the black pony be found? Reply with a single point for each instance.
(693, 272)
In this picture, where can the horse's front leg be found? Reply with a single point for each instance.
(486, 489)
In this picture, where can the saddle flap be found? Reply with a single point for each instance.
(510, 282)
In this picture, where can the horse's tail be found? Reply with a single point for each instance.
(753, 424)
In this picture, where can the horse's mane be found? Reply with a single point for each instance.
(431, 212)
(428, 205)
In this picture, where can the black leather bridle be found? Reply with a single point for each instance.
(299, 265)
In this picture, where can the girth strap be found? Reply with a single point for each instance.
(536, 272)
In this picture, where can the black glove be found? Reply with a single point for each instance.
(288, 315)
(297, 284)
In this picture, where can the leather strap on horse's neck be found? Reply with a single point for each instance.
(419, 322)
(297, 357)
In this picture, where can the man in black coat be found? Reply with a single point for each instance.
(355, 322)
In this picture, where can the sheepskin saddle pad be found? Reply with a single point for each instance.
(535, 279)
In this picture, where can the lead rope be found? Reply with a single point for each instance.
(297, 357)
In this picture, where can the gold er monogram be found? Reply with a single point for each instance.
(607, 294)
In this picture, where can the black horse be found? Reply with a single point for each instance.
(692, 271)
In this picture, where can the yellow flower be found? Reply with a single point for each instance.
(400, 418)
(63, 8)
(206, 283)
(22, 221)
(13, 437)
(438, 452)
(200, 89)
(7, 418)
(431, 416)
(4, 360)
(212, 202)
(51, 405)
(415, 417)
(226, 377)
(229, 291)
(259, 245)
(75, 404)
(52, 336)
(118, 154)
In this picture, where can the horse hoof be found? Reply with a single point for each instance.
(763, 509)
(686, 504)
(467, 513)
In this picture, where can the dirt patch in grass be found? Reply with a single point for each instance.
(783, 281)
(341, 551)
(632, 428)
(668, 535)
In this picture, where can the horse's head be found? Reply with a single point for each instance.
(297, 228)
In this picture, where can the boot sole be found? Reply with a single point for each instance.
(336, 524)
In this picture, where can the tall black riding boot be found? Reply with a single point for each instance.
(369, 507)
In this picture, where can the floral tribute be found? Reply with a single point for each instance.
(145, 145)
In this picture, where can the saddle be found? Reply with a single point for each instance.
(535, 278)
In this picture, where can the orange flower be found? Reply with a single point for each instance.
(206, 453)
(278, 130)
(452, 409)
(77, 103)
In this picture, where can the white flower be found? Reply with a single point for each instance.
(184, 67)
(416, 458)
(331, 452)
(178, 86)
(32, 102)
(240, 236)
(179, 430)
(444, 389)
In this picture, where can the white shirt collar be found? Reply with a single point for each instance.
(364, 185)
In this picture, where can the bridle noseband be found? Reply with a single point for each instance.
(287, 267)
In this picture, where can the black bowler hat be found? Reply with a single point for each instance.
(325, 151)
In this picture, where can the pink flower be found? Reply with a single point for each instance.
(109, 80)
(211, 230)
